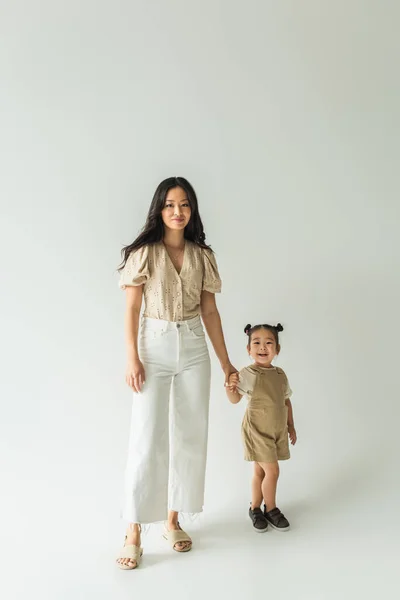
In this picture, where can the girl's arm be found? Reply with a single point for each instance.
(290, 422)
(233, 397)
(135, 375)
(212, 323)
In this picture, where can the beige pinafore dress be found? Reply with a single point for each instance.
(264, 427)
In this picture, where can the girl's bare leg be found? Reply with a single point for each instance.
(256, 485)
(269, 484)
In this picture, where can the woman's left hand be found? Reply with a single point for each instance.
(228, 369)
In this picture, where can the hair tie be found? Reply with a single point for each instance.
(247, 329)
(279, 327)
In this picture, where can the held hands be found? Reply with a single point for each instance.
(232, 383)
(292, 434)
(135, 375)
(228, 370)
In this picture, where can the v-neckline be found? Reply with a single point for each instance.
(170, 259)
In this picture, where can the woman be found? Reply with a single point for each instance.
(171, 268)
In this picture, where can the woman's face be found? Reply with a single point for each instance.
(176, 212)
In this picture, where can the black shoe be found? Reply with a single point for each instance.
(276, 519)
(260, 523)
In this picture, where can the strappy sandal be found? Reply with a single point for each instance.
(134, 553)
(178, 536)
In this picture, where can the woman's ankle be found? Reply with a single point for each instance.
(173, 519)
(133, 531)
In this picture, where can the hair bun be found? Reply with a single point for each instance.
(279, 327)
(247, 329)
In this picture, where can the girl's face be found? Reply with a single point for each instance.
(176, 212)
(263, 348)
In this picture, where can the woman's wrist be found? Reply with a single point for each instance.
(133, 355)
(225, 362)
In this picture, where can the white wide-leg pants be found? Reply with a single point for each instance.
(169, 428)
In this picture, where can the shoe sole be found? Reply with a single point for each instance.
(260, 530)
(257, 530)
(283, 529)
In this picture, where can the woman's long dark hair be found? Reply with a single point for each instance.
(153, 230)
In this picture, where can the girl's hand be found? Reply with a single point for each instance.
(135, 376)
(292, 434)
(228, 370)
(233, 382)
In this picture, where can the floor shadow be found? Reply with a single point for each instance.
(150, 559)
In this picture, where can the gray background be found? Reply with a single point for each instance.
(284, 116)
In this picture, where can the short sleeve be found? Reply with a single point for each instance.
(287, 388)
(246, 382)
(211, 278)
(136, 270)
(288, 391)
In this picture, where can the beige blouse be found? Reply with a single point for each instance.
(168, 295)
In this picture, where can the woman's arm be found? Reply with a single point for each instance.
(212, 323)
(135, 372)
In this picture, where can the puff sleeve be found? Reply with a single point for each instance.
(211, 278)
(136, 269)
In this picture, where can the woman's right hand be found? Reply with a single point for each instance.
(135, 375)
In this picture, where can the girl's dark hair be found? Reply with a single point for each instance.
(153, 229)
(275, 329)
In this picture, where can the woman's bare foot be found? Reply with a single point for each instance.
(132, 539)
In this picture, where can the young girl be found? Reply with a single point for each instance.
(267, 424)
